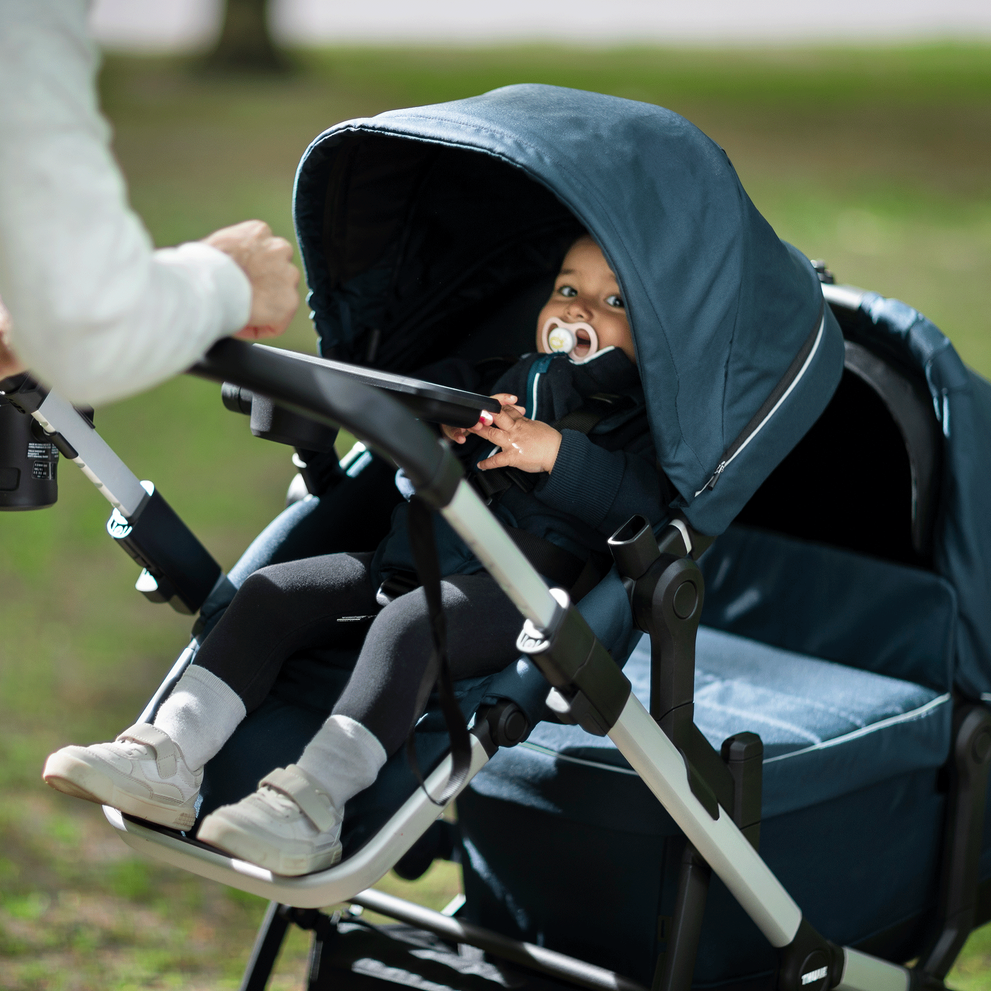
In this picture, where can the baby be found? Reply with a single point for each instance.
(582, 484)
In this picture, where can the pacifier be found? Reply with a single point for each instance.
(570, 338)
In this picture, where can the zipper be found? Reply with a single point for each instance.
(533, 378)
(769, 407)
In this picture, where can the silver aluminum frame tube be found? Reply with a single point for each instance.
(719, 841)
(117, 483)
(336, 884)
(866, 973)
(539, 958)
(507, 564)
(641, 741)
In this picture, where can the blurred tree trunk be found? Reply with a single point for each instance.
(245, 44)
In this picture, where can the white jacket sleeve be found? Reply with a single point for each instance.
(97, 313)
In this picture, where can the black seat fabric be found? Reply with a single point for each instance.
(864, 476)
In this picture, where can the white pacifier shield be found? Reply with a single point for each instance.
(558, 336)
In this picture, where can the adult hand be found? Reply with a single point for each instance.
(9, 363)
(267, 261)
(530, 445)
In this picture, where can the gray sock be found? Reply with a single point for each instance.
(344, 758)
(200, 715)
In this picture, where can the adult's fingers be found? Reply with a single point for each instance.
(267, 261)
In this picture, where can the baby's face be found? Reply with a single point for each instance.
(586, 291)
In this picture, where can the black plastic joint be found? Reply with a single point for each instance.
(809, 962)
(236, 398)
(575, 709)
(505, 724)
(184, 571)
(634, 547)
(701, 789)
(269, 421)
(743, 755)
(667, 600)
(571, 658)
(23, 392)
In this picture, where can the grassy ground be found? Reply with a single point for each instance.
(873, 159)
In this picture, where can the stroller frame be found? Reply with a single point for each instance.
(587, 686)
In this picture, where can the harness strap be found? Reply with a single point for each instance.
(595, 408)
(560, 566)
(421, 538)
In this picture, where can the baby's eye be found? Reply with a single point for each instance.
(616, 301)
(568, 291)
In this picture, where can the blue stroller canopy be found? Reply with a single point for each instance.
(402, 224)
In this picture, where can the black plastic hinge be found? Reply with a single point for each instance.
(587, 685)
(178, 569)
(809, 962)
(743, 755)
(502, 724)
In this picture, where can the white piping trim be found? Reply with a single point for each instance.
(760, 426)
(599, 765)
(903, 717)
(835, 741)
(592, 357)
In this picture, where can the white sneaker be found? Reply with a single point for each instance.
(288, 826)
(143, 773)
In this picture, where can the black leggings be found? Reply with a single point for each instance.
(327, 601)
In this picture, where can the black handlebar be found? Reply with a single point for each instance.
(314, 388)
(426, 400)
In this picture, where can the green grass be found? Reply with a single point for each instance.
(874, 159)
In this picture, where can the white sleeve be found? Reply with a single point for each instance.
(97, 313)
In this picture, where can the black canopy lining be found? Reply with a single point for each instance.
(429, 245)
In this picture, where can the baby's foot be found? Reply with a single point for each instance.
(288, 826)
(143, 773)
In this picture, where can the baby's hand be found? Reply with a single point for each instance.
(529, 445)
(460, 434)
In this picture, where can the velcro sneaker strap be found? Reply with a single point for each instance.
(164, 746)
(294, 783)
